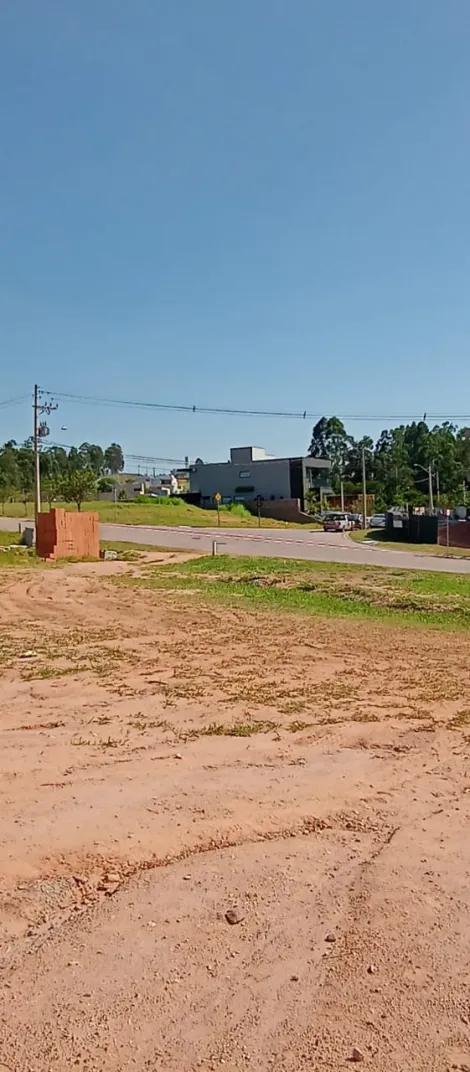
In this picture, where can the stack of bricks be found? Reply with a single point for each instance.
(61, 534)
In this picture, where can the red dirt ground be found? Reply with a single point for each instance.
(131, 822)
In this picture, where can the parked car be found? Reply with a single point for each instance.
(378, 521)
(337, 522)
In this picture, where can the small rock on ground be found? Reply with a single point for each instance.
(357, 1054)
(233, 916)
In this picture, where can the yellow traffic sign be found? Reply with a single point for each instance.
(217, 496)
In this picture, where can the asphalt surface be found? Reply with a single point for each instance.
(275, 543)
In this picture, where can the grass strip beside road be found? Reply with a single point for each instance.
(124, 546)
(160, 514)
(377, 537)
(14, 553)
(392, 596)
(9, 539)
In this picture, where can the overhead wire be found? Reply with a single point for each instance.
(143, 459)
(13, 401)
(232, 411)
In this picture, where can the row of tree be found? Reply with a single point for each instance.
(399, 463)
(72, 475)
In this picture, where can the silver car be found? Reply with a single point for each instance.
(378, 521)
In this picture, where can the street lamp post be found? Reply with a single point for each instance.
(431, 499)
(428, 469)
(364, 490)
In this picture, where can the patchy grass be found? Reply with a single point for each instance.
(113, 742)
(379, 536)
(46, 672)
(8, 539)
(129, 551)
(128, 545)
(298, 726)
(239, 729)
(14, 553)
(144, 724)
(159, 513)
(55, 655)
(22, 556)
(386, 595)
(460, 721)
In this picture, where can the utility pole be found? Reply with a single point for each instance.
(342, 496)
(364, 490)
(431, 498)
(40, 430)
(37, 478)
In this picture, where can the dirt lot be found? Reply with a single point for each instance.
(164, 763)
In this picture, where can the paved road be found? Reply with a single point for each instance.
(275, 543)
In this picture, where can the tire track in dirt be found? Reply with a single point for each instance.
(352, 828)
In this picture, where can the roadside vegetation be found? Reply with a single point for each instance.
(397, 466)
(14, 553)
(124, 546)
(403, 597)
(378, 536)
(72, 479)
(171, 512)
(407, 465)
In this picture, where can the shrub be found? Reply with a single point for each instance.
(236, 508)
(160, 500)
(105, 484)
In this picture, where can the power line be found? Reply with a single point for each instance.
(151, 461)
(89, 400)
(143, 459)
(228, 411)
(14, 401)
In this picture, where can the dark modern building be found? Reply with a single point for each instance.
(251, 472)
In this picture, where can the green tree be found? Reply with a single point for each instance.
(416, 436)
(93, 457)
(330, 440)
(7, 491)
(443, 455)
(392, 471)
(353, 469)
(9, 471)
(114, 459)
(78, 486)
(463, 454)
(25, 462)
(75, 460)
(50, 489)
(53, 463)
(105, 484)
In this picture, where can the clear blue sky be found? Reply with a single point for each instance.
(258, 204)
